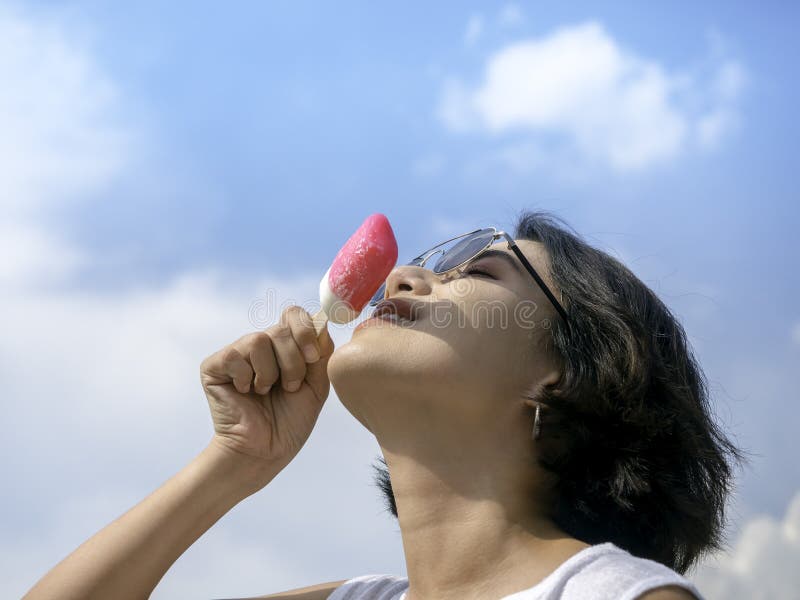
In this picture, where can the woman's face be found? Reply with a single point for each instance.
(474, 346)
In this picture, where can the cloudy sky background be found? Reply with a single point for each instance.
(163, 169)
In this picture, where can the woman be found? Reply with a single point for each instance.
(545, 427)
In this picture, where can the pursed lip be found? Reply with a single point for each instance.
(408, 311)
(404, 308)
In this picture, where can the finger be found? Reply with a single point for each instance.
(326, 346)
(214, 370)
(262, 359)
(317, 378)
(305, 336)
(238, 369)
(317, 373)
(291, 363)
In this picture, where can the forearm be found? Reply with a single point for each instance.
(129, 557)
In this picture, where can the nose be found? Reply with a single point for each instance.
(409, 279)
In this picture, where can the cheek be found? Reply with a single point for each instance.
(506, 341)
(490, 318)
(470, 337)
(482, 332)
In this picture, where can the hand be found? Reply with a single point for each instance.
(264, 394)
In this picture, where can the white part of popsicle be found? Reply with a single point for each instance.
(333, 309)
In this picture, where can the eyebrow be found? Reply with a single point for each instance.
(505, 256)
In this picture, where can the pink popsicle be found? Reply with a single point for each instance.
(357, 272)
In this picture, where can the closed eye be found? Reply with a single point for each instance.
(479, 273)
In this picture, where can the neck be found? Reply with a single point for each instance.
(471, 533)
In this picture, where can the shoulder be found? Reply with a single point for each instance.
(668, 593)
(372, 587)
(622, 575)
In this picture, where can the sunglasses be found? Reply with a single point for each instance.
(467, 247)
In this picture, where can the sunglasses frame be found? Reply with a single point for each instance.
(495, 235)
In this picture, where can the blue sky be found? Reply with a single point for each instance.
(164, 164)
(247, 102)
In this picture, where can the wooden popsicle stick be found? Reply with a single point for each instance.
(320, 320)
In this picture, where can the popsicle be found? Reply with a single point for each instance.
(358, 270)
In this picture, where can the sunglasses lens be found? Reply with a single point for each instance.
(460, 252)
(463, 250)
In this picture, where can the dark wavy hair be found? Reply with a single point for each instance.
(627, 433)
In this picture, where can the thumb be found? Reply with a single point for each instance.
(317, 378)
(326, 346)
(317, 372)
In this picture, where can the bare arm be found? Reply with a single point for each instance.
(129, 557)
(265, 400)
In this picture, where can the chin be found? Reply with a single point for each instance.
(367, 365)
(355, 368)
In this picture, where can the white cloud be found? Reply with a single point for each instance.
(104, 393)
(221, 564)
(61, 142)
(474, 29)
(721, 118)
(101, 391)
(29, 256)
(579, 87)
(761, 565)
(59, 137)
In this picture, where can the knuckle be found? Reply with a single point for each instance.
(299, 314)
(250, 339)
(260, 341)
(294, 368)
(230, 354)
(290, 312)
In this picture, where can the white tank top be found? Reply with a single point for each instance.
(599, 572)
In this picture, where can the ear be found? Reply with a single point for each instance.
(552, 378)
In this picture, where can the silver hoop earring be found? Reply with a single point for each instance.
(537, 424)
